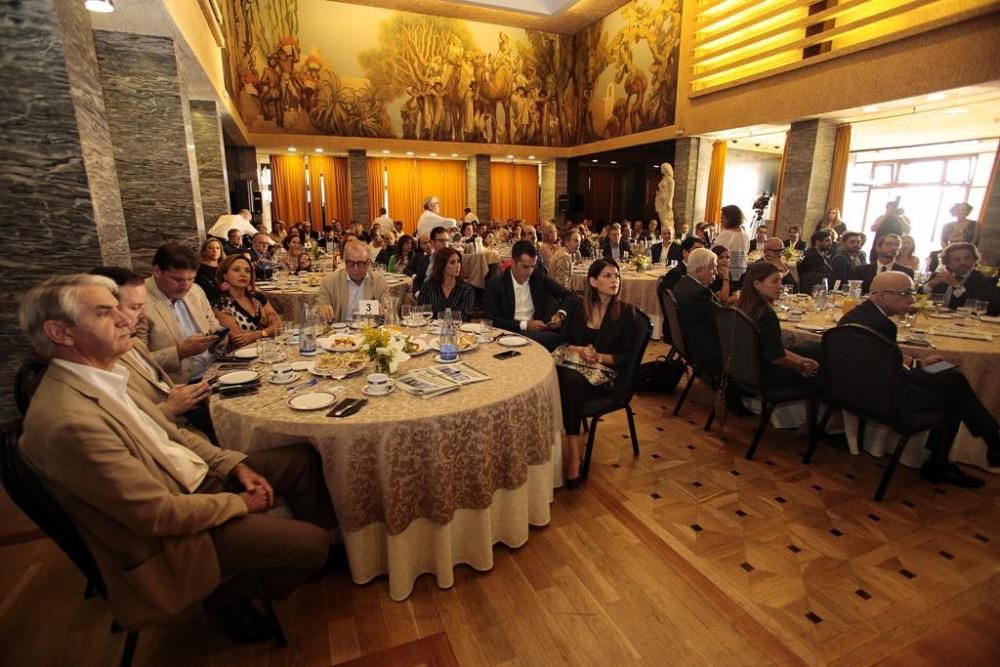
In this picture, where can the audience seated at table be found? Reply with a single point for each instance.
(723, 287)
(182, 329)
(293, 250)
(886, 251)
(445, 287)
(522, 300)
(673, 276)
(278, 231)
(210, 255)
(666, 244)
(734, 237)
(907, 253)
(561, 263)
(773, 249)
(183, 404)
(757, 243)
(614, 246)
(234, 242)
(340, 291)
(795, 240)
(489, 239)
(961, 225)
(170, 519)
(959, 281)
(241, 308)
(550, 243)
(377, 248)
(947, 391)
(848, 257)
(815, 265)
(762, 287)
(697, 305)
(599, 330)
(403, 255)
(439, 239)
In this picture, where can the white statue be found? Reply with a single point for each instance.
(665, 197)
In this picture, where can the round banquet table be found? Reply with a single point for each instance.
(476, 265)
(977, 359)
(637, 288)
(422, 485)
(288, 299)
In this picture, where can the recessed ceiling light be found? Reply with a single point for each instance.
(291, 149)
(510, 157)
(935, 97)
(531, 157)
(433, 154)
(956, 111)
(593, 160)
(319, 150)
(871, 108)
(454, 154)
(656, 166)
(385, 152)
(613, 162)
(409, 152)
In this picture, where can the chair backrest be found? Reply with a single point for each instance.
(668, 304)
(739, 341)
(641, 334)
(27, 492)
(26, 381)
(861, 369)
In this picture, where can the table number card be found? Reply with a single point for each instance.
(368, 308)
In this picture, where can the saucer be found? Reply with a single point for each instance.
(366, 392)
(292, 377)
(238, 377)
(437, 358)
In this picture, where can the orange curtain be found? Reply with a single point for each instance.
(716, 174)
(838, 175)
(332, 172)
(376, 186)
(288, 188)
(405, 201)
(514, 192)
(777, 193)
(410, 181)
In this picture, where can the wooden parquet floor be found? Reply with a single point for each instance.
(686, 554)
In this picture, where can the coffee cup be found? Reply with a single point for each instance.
(378, 383)
(339, 326)
(282, 371)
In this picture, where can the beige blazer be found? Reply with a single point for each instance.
(163, 334)
(148, 535)
(147, 384)
(333, 291)
(561, 268)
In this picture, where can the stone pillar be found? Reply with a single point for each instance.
(989, 219)
(209, 150)
(150, 125)
(555, 183)
(477, 186)
(806, 181)
(692, 161)
(62, 211)
(357, 168)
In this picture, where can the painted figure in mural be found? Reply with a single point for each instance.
(310, 81)
(410, 115)
(270, 93)
(495, 90)
(665, 197)
(635, 85)
(287, 55)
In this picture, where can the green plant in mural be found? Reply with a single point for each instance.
(349, 112)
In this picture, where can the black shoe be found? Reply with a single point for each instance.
(949, 474)
(574, 483)
(244, 623)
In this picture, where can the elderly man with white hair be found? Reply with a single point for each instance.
(341, 291)
(432, 218)
(696, 309)
(167, 516)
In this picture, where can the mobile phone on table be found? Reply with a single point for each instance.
(508, 354)
(937, 367)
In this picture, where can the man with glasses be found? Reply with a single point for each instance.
(431, 217)
(886, 251)
(946, 390)
(439, 239)
(773, 248)
(341, 291)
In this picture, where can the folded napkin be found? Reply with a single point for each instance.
(992, 319)
(967, 334)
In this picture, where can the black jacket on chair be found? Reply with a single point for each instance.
(547, 296)
(866, 274)
(696, 310)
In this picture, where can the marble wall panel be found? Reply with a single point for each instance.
(692, 160)
(477, 175)
(206, 127)
(357, 168)
(150, 129)
(806, 181)
(554, 185)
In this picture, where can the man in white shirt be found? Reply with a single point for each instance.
(431, 217)
(342, 291)
(470, 216)
(167, 516)
(384, 221)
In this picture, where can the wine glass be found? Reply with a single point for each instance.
(977, 307)
(937, 298)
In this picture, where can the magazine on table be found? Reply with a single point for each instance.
(436, 380)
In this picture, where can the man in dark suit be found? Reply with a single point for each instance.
(959, 280)
(614, 246)
(696, 310)
(814, 265)
(947, 391)
(773, 249)
(422, 264)
(886, 251)
(521, 300)
(673, 276)
(848, 257)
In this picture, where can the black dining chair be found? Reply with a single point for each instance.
(862, 370)
(679, 349)
(29, 375)
(621, 397)
(742, 360)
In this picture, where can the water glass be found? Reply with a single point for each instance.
(286, 331)
(406, 312)
(267, 350)
(978, 307)
(485, 330)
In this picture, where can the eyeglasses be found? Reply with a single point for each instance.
(903, 292)
(358, 265)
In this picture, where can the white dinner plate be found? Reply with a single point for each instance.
(471, 327)
(312, 400)
(238, 377)
(941, 316)
(341, 345)
(512, 341)
(248, 352)
(288, 379)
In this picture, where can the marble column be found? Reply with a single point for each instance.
(209, 150)
(692, 161)
(477, 186)
(62, 212)
(554, 184)
(154, 145)
(806, 181)
(357, 168)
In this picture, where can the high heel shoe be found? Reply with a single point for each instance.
(574, 483)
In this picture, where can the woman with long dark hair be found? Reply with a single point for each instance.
(403, 254)
(598, 330)
(209, 257)
(444, 288)
(241, 308)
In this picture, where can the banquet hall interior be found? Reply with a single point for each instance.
(129, 125)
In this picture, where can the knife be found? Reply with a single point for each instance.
(350, 405)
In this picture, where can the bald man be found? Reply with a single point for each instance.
(947, 391)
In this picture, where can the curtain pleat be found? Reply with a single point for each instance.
(288, 188)
(405, 201)
(838, 175)
(411, 180)
(777, 193)
(333, 173)
(716, 175)
(514, 192)
(376, 185)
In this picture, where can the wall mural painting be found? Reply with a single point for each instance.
(370, 72)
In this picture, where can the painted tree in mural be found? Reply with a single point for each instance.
(548, 61)
(591, 54)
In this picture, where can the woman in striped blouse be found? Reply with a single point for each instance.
(445, 287)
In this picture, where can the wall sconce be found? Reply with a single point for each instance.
(100, 6)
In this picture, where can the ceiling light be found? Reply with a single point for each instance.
(409, 153)
(956, 111)
(433, 154)
(291, 149)
(872, 108)
(454, 154)
(531, 157)
(100, 6)
(935, 97)
(594, 161)
(385, 152)
(319, 150)
(510, 157)
(613, 162)
(656, 166)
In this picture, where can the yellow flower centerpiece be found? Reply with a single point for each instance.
(385, 348)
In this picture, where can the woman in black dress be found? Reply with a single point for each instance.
(599, 330)
(240, 307)
(761, 289)
(211, 254)
(444, 288)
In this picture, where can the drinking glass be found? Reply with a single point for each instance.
(978, 307)
(938, 301)
(485, 330)
(406, 312)
(286, 331)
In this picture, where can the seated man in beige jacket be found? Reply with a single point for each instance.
(561, 264)
(341, 291)
(169, 518)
